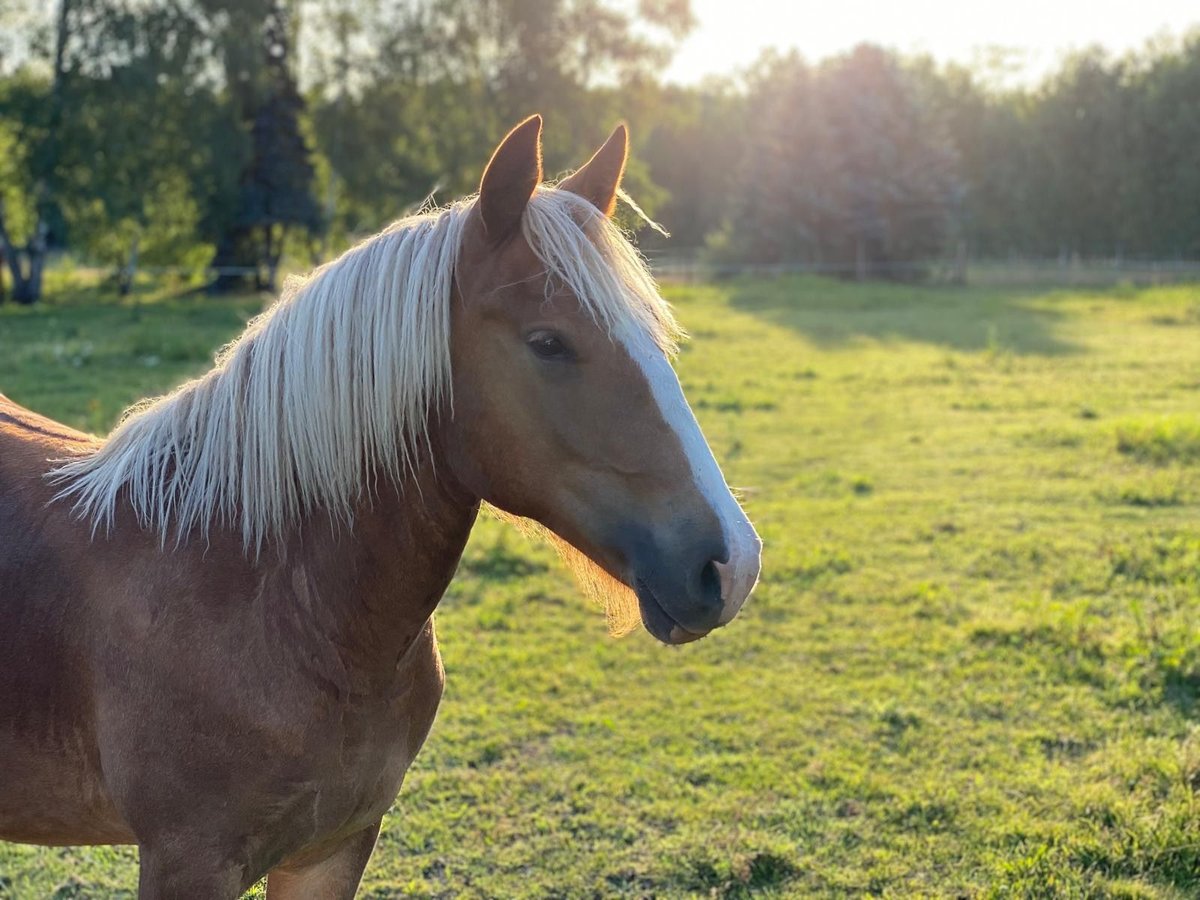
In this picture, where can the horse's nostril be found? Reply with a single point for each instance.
(710, 581)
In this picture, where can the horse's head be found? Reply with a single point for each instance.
(566, 409)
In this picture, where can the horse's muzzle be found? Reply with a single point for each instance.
(682, 600)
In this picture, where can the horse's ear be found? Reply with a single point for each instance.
(599, 178)
(510, 178)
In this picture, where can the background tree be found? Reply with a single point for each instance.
(150, 131)
(20, 226)
(1162, 195)
(691, 145)
(125, 183)
(426, 89)
(39, 158)
(848, 164)
(275, 188)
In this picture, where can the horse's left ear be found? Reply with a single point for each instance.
(599, 178)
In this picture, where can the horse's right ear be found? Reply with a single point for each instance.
(510, 178)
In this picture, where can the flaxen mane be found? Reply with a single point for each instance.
(337, 377)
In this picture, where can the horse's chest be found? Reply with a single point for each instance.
(362, 769)
(360, 755)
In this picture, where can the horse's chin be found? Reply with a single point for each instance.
(659, 622)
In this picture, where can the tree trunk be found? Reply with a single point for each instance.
(235, 259)
(27, 290)
(36, 249)
(274, 251)
(265, 284)
(24, 263)
(960, 263)
(128, 272)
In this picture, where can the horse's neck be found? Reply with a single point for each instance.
(370, 589)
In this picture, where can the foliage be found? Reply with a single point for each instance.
(162, 232)
(692, 148)
(972, 667)
(16, 190)
(1095, 161)
(275, 179)
(866, 162)
(412, 101)
(848, 164)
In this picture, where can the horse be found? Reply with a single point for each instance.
(216, 625)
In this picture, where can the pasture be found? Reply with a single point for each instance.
(972, 667)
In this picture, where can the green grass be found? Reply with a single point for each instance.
(1166, 439)
(972, 667)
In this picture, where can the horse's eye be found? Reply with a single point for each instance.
(548, 345)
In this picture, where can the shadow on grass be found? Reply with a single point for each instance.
(498, 563)
(831, 312)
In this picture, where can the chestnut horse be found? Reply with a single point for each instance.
(215, 625)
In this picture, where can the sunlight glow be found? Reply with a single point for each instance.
(730, 35)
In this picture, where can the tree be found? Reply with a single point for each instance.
(1080, 158)
(849, 165)
(27, 258)
(1162, 211)
(275, 189)
(692, 149)
(21, 230)
(126, 189)
(428, 87)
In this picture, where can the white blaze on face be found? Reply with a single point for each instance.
(739, 573)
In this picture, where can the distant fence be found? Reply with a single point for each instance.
(691, 267)
(1097, 273)
(694, 266)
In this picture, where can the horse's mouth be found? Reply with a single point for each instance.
(658, 621)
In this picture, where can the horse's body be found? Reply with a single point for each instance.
(270, 708)
(243, 695)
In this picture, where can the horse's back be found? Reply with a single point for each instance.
(51, 791)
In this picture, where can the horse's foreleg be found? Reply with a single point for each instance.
(335, 877)
(177, 872)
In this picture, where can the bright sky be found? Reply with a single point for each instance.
(731, 33)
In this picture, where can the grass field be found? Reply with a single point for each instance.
(972, 667)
